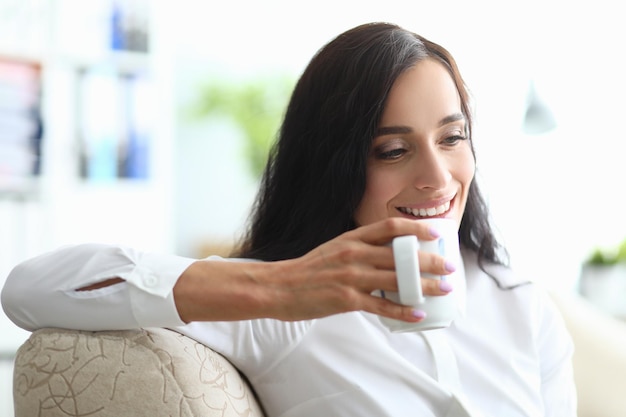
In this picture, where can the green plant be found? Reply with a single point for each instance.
(254, 105)
(608, 256)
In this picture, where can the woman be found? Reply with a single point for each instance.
(377, 134)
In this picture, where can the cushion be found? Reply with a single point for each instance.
(144, 372)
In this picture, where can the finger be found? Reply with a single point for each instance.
(350, 252)
(384, 281)
(433, 286)
(383, 232)
(435, 264)
(376, 271)
(380, 257)
(387, 281)
(387, 308)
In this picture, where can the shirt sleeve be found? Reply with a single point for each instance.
(41, 292)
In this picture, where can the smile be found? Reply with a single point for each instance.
(426, 212)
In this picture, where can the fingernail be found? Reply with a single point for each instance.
(449, 266)
(433, 232)
(419, 314)
(445, 286)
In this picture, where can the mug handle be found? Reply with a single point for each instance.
(408, 270)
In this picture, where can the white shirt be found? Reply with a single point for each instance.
(512, 351)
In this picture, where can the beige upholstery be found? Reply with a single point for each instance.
(147, 372)
(599, 358)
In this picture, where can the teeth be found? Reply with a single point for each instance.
(427, 212)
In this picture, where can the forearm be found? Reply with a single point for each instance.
(223, 290)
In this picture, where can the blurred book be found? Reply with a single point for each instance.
(21, 126)
(100, 123)
(115, 117)
(135, 156)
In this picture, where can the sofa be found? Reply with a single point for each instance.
(157, 372)
(599, 357)
(148, 372)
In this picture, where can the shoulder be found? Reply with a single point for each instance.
(502, 276)
(509, 294)
(525, 302)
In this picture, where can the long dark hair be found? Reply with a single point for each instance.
(315, 176)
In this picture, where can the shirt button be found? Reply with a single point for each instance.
(150, 281)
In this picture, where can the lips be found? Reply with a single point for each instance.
(426, 212)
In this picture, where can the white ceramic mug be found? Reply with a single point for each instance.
(441, 310)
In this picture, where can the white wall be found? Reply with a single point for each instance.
(553, 196)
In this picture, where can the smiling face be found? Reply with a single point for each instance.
(421, 164)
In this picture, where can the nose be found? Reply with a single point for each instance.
(432, 170)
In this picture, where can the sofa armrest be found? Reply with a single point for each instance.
(599, 356)
(144, 372)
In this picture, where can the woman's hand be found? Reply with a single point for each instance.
(337, 276)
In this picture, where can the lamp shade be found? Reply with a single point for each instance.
(538, 118)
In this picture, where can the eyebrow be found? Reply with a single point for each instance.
(395, 130)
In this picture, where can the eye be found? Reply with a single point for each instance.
(387, 154)
(453, 140)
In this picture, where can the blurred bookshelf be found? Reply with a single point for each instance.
(85, 138)
(85, 129)
(99, 52)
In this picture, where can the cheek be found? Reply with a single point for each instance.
(378, 192)
(468, 169)
(462, 164)
(465, 169)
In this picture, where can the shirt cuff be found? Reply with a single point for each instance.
(151, 282)
(154, 311)
(157, 274)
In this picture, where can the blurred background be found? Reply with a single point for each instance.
(145, 122)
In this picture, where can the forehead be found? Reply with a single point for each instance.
(421, 96)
